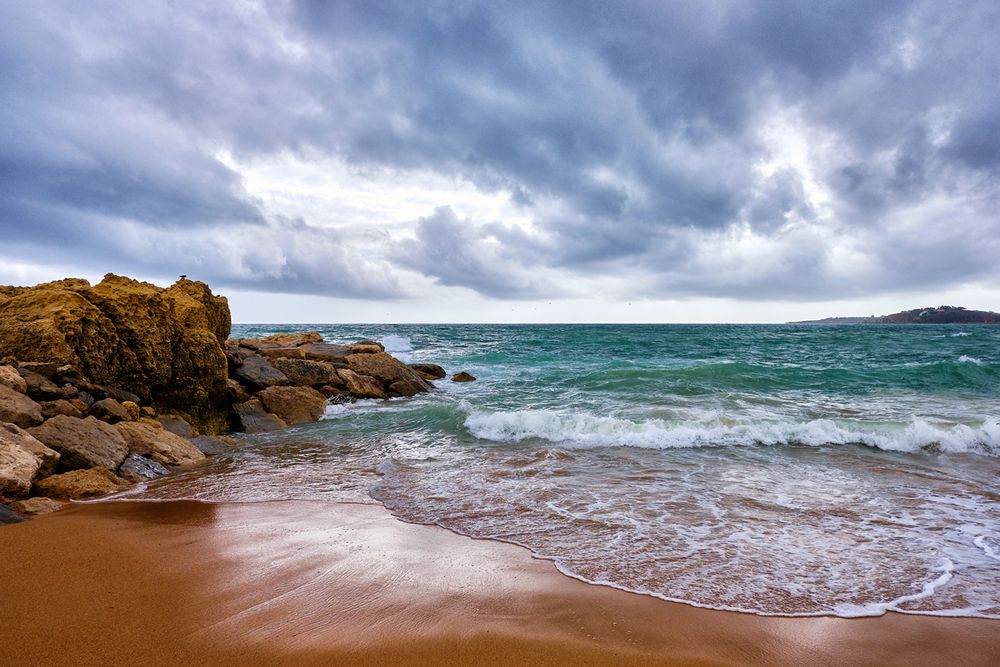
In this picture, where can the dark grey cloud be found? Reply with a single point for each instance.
(632, 134)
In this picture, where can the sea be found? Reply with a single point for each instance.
(787, 470)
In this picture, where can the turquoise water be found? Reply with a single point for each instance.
(789, 470)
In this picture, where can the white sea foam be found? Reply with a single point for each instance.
(586, 430)
(339, 409)
(965, 359)
(959, 333)
(398, 346)
(991, 550)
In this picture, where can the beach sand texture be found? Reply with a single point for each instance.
(341, 584)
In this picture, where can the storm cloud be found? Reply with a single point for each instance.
(779, 150)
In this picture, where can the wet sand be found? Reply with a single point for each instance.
(340, 584)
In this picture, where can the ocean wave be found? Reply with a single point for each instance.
(398, 346)
(587, 430)
(965, 359)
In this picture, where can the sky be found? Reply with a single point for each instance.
(716, 161)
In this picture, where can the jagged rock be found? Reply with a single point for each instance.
(237, 393)
(253, 418)
(137, 468)
(163, 345)
(16, 408)
(428, 371)
(366, 347)
(462, 376)
(35, 506)
(361, 386)
(291, 339)
(132, 409)
(40, 388)
(76, 484)
(387, 370)
(109, 410)
(61, 407)
(257, 372)
(213, 445)
(7, 515)
(10, 378)
(329, 390)
(306, 372)
(18, 466)
(325, 352)
(158, 444)
(294, 405)
(82, 443)
(99, 391)
(177, 425)
(47, 458)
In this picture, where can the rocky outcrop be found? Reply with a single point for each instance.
(462, 376)
(939, 315)
(294, 405)
(82, 443)
(162, 446)
(361, 386)
(306, 372)
(79, 484)
(429, 372)
(257, 372)
(162, 345)
(16, 408)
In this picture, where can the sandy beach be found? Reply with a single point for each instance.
(320, 583)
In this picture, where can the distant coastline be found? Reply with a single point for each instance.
(929, 315)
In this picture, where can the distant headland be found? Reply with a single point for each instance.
(931, 315)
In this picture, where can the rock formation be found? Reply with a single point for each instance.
(162, 345)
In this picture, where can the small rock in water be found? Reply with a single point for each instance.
(137, 468)
(462, 376)
(429, 371)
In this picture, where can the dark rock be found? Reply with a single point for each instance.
(86, 398)
(176, 425)
(429, 371)
(294, 405)
(258, 373)
(69, 392)
(47, 369)
(137, 468)
(253, 418)
(109, 410)
(462, 376)
(214, 445)
(7, 515)
(16, 408)
(305, 372)
(82, 443)
(406, 388)
(237, 393)
(40, 387)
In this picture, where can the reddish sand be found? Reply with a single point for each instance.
(316, 583)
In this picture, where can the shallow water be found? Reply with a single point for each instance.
(793, 470)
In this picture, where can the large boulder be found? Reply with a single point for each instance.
(251, 417)
(158, 444)
(82, 443)
(16, 408)
(75, 484)
(18, 466)
(304, 372)
(325, 352)
(10, 378)
(294, 405)
(163, 345)
(387, 370)
(361, 386)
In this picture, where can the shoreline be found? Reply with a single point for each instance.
(317, 582)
